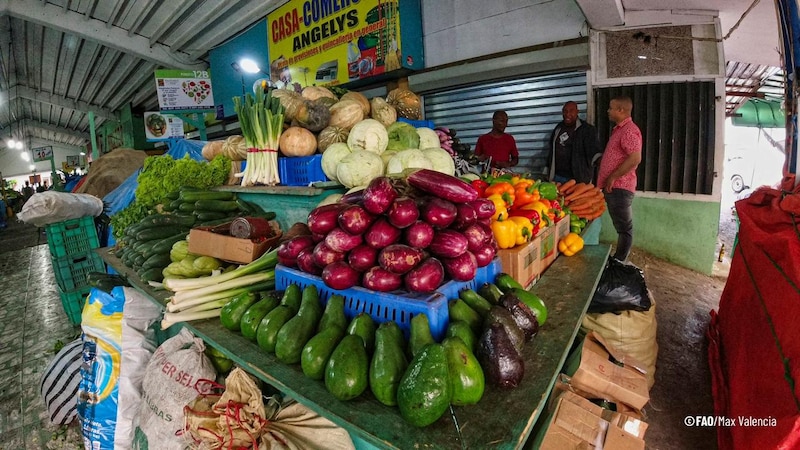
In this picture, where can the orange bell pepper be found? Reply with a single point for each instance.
(503, 189)
(524, 193)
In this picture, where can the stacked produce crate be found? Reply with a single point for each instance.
(72, 245)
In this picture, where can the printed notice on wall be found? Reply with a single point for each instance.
(159, 127)
(184, 90)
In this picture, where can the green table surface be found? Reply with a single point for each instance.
(502, 419)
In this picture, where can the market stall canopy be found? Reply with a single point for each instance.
(760, 113)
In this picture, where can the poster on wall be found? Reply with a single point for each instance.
(159, 127)
(329, 43)
(42, 153)
(188, 90)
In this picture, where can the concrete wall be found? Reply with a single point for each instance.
(683, 232)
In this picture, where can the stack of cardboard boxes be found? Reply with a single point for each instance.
(596, 374)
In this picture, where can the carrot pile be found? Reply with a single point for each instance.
(584, 200)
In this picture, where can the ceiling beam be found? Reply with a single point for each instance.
(53, 16)
(31, 123)
(249, 14)
(56, 100)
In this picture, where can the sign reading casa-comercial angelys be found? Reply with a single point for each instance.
(329, 42)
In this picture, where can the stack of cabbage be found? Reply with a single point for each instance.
(373, 150)
(360, 139)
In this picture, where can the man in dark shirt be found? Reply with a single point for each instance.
(574, 148)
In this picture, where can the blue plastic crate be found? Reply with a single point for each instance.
(301, 170)
(398, 306)
(72, 237)
(417, 123)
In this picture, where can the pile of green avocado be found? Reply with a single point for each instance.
(483, 342)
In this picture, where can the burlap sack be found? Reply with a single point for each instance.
(631, 332)
(296, 427)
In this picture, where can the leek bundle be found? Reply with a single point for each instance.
(261, 122)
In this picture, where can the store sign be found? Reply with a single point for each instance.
(188, 90)
(336, 41)
(73, 160)
(159, 127)
(42, 153)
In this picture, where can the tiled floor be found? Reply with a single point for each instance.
(32, 321)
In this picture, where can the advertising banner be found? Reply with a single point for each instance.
(159, 127)
(330, 42)
(186, 90)
(42, 153)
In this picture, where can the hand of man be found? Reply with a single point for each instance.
(609, 183)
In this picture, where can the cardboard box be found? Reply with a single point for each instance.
(603, 372)
(202, 241)
(523, 262)
(577, 423)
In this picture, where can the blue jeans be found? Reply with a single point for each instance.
(619, 203)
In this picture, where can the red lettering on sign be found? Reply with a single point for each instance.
(285, 26)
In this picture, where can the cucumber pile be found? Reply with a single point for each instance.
(145, 246)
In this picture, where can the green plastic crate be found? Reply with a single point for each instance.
(71, 270)
(72, 237)
(73, 302)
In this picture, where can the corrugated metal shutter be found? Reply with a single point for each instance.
(677, 123)
(533, 105)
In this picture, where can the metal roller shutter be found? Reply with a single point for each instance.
(533, 105)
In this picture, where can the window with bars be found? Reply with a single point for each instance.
(677, 123)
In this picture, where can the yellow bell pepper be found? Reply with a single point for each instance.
(545, 214)
(505, 233)
(500, 207)
(524, 229)
(570, 244)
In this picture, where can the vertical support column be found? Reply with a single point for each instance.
(126, 117)
(93, 135)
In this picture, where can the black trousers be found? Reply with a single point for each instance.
(619, 203)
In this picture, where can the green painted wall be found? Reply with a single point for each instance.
(682, 232)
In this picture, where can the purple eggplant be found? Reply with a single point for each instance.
(342, 241)
(462, 267)
(353, 198)
(324, 255)
(305, 262)
(476, 237)
(485, 254)
(465, 216)
(379, 194)
(323, 219)
(426, 277)
(340, 275)
(439, 213)
(403, 212)
(379, 279)
(289, 250)
(355, 219)
(442, 185)
(381, 234)
(362, 257)
(448, 244)
(484, 208)
(419, 234)
(399, 258)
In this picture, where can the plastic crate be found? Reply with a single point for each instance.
(72, 237)
(71, 270)
(301, 171)
(398, 306)
(417, 123)
(73, 302)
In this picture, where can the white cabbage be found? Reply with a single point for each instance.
(330, 159)
(370, 135)
(441, 160)
(359, 168)
(427, 138)
(407, 159)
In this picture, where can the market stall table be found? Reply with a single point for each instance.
(502, 419)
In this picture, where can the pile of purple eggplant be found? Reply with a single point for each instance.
(413, 233)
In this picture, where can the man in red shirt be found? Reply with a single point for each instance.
(497, 144)
(617, 174)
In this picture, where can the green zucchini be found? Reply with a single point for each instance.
(193, 196)
(165, 245)
(152, 274)
(246, 207)
(175, 205)
(205, 216)
(174, 195)
(156, 260)
(216, 205)
(158, 233)
(186, 207)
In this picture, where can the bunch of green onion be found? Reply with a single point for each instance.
(204, 297)
(261, 122)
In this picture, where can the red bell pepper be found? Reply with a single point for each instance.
(480, 186)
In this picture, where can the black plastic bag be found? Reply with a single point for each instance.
(621, 288)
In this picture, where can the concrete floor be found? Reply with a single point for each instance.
(35, 321)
